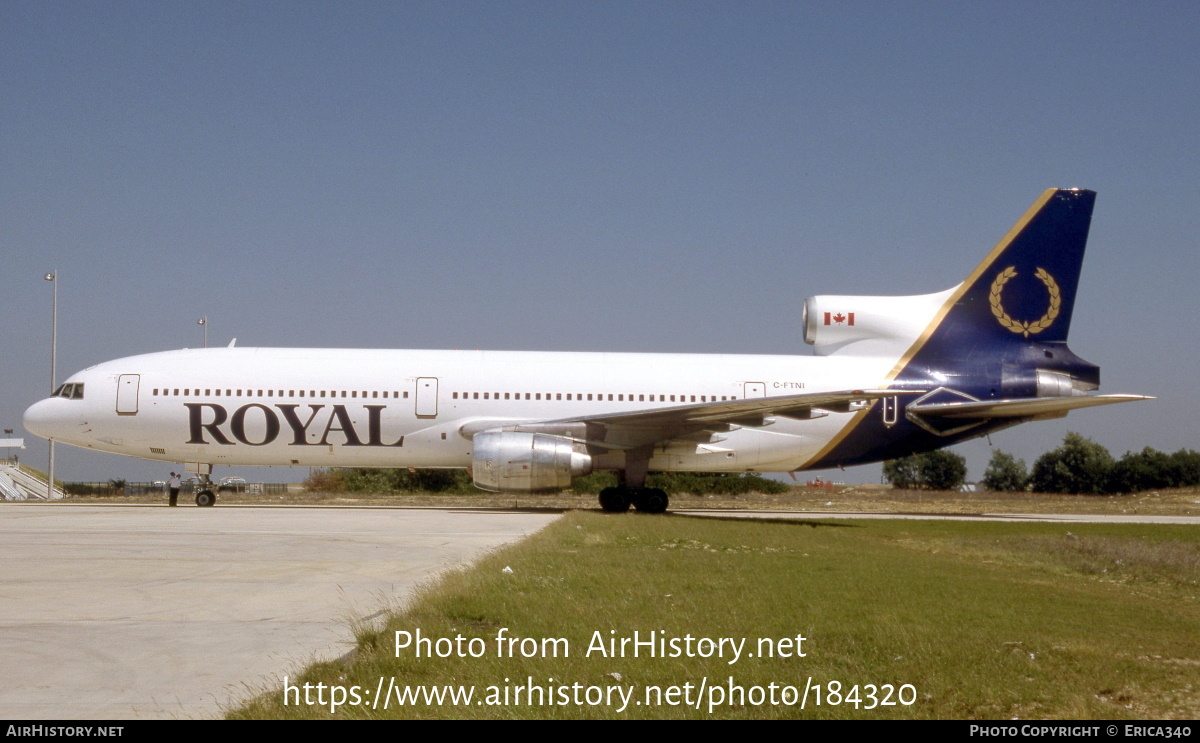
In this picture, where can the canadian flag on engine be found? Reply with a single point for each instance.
(839, 318)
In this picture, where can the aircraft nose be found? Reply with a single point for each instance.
(44, 418)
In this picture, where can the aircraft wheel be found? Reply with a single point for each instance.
(205, 498)
(614, 500)
(652, 500)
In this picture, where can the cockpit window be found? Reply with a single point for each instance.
(70, 391)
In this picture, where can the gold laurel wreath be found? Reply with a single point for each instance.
(1016, 326)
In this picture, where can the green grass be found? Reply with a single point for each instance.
(982, 619)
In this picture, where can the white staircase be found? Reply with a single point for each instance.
(18, 483)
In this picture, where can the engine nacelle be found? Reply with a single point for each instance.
(513, 462)
(874, 325)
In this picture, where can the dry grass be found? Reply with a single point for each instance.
(858, 498)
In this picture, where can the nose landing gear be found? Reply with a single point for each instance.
(205, 495)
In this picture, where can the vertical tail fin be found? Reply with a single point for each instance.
(1024, 290)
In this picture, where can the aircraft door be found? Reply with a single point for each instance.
(427, 397)
(127, 394)
(755, 389)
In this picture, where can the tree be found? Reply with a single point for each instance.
(1006, 473)
(1080, 465)
(943, 470)
(1185, 467)
(934, 470)
(1145, 470)
(903, 473)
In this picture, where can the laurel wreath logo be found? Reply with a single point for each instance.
(1016, 326)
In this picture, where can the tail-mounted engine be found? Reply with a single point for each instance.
(874, 326)
(514, 462)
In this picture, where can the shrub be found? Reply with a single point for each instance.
(1146, 470)
(325, 481)
(1080, 465)
(401, 480)
(1006, 473)
(934, 470)
(697, 483)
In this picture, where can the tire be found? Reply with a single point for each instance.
(614, 500)
(652, 500)
(206, 498)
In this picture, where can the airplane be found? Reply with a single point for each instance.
(890, 376)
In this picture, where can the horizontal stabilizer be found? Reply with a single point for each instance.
(1027, 408)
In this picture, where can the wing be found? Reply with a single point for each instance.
(628, 430)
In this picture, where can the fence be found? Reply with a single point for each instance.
(154, 488)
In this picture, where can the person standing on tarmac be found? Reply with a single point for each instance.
(174, 484)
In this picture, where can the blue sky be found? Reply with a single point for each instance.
(623, 176)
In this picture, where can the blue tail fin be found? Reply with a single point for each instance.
(1025, 289)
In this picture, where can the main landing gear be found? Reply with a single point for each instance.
(633, 491)
(646, 500)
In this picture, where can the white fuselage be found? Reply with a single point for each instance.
(384, 408)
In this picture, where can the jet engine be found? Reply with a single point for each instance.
(514, 462)
(873, 325)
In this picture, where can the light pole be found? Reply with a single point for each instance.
(204, 321)
(52, 277)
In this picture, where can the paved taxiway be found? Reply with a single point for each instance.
(148, 612)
